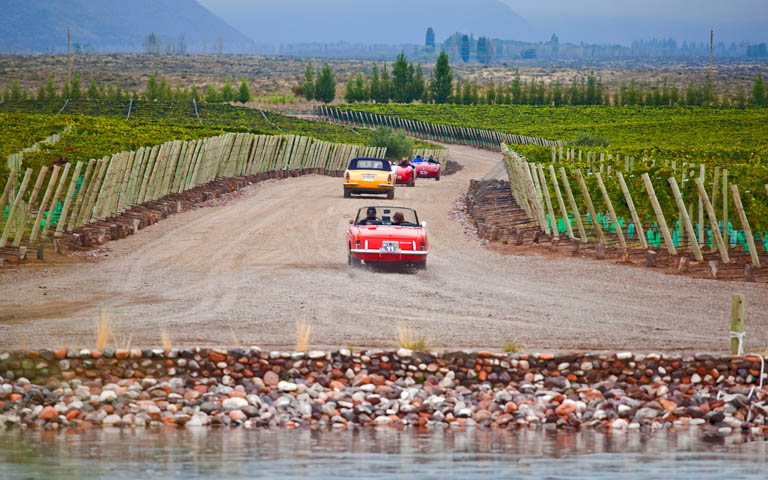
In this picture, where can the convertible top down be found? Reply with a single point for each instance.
(386, 234)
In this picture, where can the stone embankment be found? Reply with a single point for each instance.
(345, 389)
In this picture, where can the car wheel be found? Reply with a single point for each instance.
(391, 194)
(437, 178)
(352, 261)
(347, 193)
(413, 182)
(422, 265)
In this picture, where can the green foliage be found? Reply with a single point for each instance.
(590, 140)
(398, 145)
(758, 91)
(227, 92)
(325, 87)
(441, 82)
(308, 85)
(74, 88)
(211, 95)
(244, 93)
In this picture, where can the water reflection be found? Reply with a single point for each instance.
(384, 453)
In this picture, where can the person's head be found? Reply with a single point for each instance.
(371, 212)
(398, 217)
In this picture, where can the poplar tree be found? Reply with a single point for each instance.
(325, 86)
(244, 93)
(308, 85)
(441, 81)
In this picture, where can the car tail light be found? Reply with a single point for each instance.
(389, 178)
(346, 176)
(357, 242)
(421, 245)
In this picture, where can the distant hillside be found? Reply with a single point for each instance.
(368, 21)
(113, 26)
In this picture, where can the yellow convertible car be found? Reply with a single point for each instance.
(369, 176)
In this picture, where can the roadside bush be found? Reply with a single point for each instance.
(398, 145)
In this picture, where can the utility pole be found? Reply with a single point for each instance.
(69, 56)
(711, 49)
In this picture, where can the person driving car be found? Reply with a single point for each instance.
(370, 218)
(398, 218)
(406, 163)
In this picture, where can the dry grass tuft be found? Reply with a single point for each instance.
(407, 338)
(103, 331)
(235, 338)
(513, 345)
(303, 331)
(106, 331)
(165, 339)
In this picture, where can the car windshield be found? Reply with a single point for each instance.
(369, 164)
(390, 216)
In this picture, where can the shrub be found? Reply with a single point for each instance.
(398, 145)
(590, 140)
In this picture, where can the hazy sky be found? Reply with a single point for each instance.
(589, 21)
(730, 10)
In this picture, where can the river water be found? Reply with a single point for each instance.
(376, 454)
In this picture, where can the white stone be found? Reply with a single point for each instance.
(695, 378)
(111, 420)
(405, 353)
(234, 403)
(316, 354)
(619, 424)
(624, 356)
(284, 386)
(108, 396)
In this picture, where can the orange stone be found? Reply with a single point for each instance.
(546, 356)
(528, 377)
(667, 404)
(337, 385)
(60, 353)
(572, 377)
(237, 393)
(96, 354)
(482, 375)
(510, 407)
(73, 414)
(565, 409)
(48, 413)
(122, 354)
(237, 415)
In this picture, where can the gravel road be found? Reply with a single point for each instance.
(245, 271)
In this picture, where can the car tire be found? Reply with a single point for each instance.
(437, 178)
(391, 194)
(352, 261)
(413, 182)
(347, 193)
(422, 265)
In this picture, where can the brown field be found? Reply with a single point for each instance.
(276, 75)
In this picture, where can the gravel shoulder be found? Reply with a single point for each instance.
(246, 270)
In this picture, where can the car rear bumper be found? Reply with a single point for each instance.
(378, 256)
(427, 174)
(381, 189)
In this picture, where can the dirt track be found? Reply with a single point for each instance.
(245, 272)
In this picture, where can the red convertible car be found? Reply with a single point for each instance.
(427, 169)
(387, 235)
(405, 174)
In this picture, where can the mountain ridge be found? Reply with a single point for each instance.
(40, 26)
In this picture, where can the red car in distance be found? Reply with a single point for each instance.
(405, 173)
(387, 235)
(427, 168)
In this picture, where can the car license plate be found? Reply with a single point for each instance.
(390, 247)
(369, 178)
(399, 177)
(423, 172)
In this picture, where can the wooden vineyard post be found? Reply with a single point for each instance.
(32, 203)
(14, 207)
(68, 201)
(574, 206)
(55, 199)
(590, 205)
(539, 198)
(560, 202)
(659, 215)
(633, 211)
(738, 317)
(725, 206)
(685, 219)
(718, 239)
(715, 185)
(44, 203)
(80, 196)
(745, 225)
(7, 191)
(548, 199)
(702, 240)
(611, 211)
